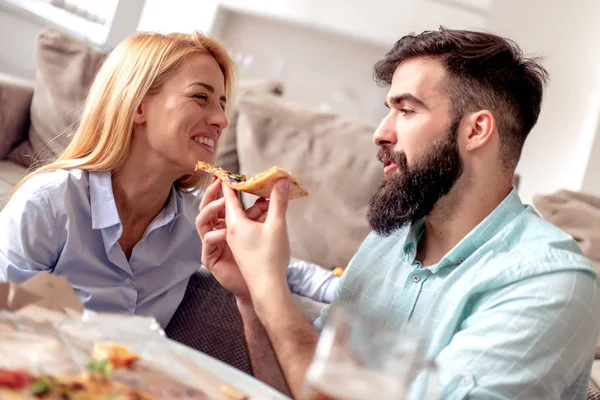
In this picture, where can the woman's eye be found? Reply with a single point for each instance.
(201, 97)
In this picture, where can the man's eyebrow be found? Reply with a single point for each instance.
(209, 88)
(405, 97)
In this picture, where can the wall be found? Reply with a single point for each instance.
(178, 15)
(17, 54)
(318, 69)
(557, 153)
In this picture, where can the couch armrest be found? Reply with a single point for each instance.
(15, 101)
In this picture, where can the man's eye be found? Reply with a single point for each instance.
(406, 111)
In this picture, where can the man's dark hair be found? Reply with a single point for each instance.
(485, 71)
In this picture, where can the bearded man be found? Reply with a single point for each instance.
(508, 301)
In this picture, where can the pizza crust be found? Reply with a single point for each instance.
(259, 185)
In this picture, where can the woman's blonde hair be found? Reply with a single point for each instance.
(136, 67)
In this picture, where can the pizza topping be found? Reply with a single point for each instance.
(118, 355)
(14, 379)
(40, 386)
(232, 393)
(102, 367)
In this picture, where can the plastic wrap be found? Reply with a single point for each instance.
(45, 343)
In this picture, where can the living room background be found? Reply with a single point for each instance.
(563, 149)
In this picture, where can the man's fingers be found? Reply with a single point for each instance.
(211, 194)
(214, 238)
(260, 208)
(279, 201)
(233, 207)
(212, 243)
(209, 216)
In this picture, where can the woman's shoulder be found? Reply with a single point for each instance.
(58, 183)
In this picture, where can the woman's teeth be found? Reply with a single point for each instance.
(203, 140)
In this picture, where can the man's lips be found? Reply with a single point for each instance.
(389, 168)
(388, 165)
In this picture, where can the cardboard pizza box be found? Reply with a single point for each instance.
(44, 290)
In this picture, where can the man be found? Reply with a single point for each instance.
(508, 300)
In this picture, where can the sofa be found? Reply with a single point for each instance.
(332, 155)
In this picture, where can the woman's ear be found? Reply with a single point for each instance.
(140, 115)
(483, 125)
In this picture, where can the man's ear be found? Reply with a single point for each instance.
(482, 126)
(140, 115)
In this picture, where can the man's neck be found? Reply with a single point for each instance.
(453, 217)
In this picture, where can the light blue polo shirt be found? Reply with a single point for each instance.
(511, 312)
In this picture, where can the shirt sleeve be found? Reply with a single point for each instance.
(524, 341)
(29, 241)
(311, 280)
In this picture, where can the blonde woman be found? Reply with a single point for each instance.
(115, 212)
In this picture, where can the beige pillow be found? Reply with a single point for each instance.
(65, 70)
(576, 213)
(227, 156)
(15, 100)
(335, 159)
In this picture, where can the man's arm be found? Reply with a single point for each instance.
(291, 334)
(530, 340)
(263, 361)
(262, 254)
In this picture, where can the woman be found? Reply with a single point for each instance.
(115, 212)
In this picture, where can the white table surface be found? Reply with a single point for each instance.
(228, 374)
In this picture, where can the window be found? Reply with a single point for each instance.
(99, 12)
(89, 19)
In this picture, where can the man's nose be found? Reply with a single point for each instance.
(385, 134)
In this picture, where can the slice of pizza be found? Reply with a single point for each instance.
(259, 185)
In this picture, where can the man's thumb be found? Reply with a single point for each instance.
(278, 201)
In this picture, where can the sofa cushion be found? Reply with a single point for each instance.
(208, 320)
(227, 156)
(10, 174)
(65, 70)
(332, 155)
(576, 213)
(15, 98)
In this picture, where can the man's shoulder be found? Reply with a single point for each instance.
(533, 246)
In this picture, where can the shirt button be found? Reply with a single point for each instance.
(125, 312)
(128, 281)
(416, 278)
(460, 260)
(412, 251)
(465, 381)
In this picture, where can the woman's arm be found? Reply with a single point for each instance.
(29, 239)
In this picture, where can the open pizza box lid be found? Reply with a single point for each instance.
(48, 291)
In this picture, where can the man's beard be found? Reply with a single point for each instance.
(409, 194)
